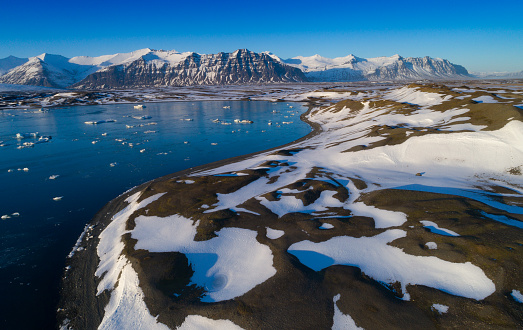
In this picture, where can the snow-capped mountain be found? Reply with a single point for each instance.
(146, 67)
(352, 68)
(160, 68)
(10, 62)
(498, 75)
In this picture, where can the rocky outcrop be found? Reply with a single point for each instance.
(240, 67)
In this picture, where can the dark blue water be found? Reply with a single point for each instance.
(34, 245)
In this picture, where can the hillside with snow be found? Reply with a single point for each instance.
(402, 210)
(393, 68)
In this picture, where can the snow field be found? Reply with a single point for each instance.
(228, 266)
(389, 264)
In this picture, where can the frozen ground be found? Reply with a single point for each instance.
(417, 187)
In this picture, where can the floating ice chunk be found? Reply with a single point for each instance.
(442, 309)
(139, 106)
(95, 142)
(58, 198)
(10, 170)
(104, 134)
(54, 177)
(326, 226)
(113, 164)
(96, 122)
(142, 117)
(431, 245)
(214, 143)
(274, 233)
(15, 214)
(25, 169)
(243, 121)
(434, 228)
(516, 294)
(227, 107)
(27, 135)
(5, 216)
(142, 150)
(342, 321)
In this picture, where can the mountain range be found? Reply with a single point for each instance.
(149, 68)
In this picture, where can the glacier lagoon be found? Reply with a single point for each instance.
(55, 181)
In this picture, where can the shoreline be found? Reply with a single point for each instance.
(345, 176)
(77, 293)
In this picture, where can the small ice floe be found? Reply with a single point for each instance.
(139, 106)
(516, 294)
(113, 164)
(326, 226)
(214, 143)
(104, 134)
(227, 107)
(27, 135)
(186, 119)
(226, 123)
(96, 122)
(286, 122)
(15, 214)
(10, 170)
(59, 198)
(243, 121)
(434, 228)
(54, 177)
(185, 142)
(431, 245)
(217, 120)
(25, 169)
(95, 142)
(142, 117)
(142, 150)
(5, 217)
(149, 132)
(442, 309)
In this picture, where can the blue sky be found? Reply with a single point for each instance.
(478, 35)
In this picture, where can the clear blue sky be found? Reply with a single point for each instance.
(482, 36)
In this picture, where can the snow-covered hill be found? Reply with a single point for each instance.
(403, 210)
(352, 68)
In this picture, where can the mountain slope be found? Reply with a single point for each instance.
(47, 70)
(10, 62)
(352, 68)
(241, 66)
